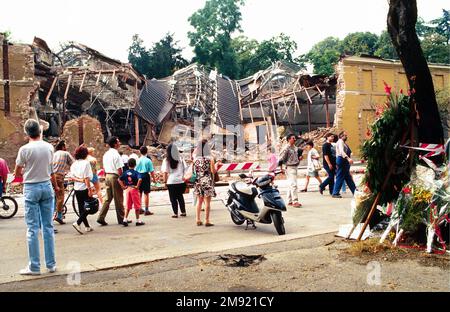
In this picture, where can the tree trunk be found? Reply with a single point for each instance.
(401, 22)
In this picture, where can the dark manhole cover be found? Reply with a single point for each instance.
(241, 260)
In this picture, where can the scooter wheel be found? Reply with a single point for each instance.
(278, 221)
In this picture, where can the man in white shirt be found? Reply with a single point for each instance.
(113, 166)
(34, 163)
(343, 163)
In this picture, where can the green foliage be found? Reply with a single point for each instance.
(253, 56)
(383, 149)
(138, 55)
(435, 38)
(158, 62)
(7, 35)
(214, 24)
(442, 25)
(364, 204)
(360, 43)
(435, 49)
(324, 55)
(165, 58)
(411, 214)
(385, 48)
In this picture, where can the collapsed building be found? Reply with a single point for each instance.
(63, 89)
(173, 105)
(58, 87)
(259, 109)
(283, 99)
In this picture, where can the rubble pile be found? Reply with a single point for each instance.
(319, 136)
(92, 135)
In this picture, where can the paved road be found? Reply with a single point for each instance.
(164, 237)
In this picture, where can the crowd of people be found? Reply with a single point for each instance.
(336, 162)
(45, 170)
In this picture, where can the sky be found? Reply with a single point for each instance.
(108, 25)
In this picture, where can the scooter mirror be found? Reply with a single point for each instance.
(243, 176)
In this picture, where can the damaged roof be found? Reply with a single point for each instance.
(154, 105)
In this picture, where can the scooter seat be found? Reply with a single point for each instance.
(245, 189)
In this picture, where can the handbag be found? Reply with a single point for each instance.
(317, 165)
(216, 177)
(190, 176)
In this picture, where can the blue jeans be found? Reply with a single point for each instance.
(39, 207)
(330, 180)
(343, 176)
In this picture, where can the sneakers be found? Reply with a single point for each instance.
(60, 221)
(140, 223)
(89, 229)
(52, 270)
(77, 228)
(28, 272)
(321, 191)
(337, 196)
(124, 223)
(148, 213)
(102, 223)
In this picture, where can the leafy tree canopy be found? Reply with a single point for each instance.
(158, 62)
(214, 25)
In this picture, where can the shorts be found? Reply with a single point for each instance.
(313, 173)
(95, 179)
(133, 199)
(145, 184)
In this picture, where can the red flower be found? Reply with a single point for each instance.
(387, 88)
(379, 111)
(368, 133)
(401, 91)
(407, 190)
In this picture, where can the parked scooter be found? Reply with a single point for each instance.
(243, 207)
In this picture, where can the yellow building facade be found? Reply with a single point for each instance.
(361, 89)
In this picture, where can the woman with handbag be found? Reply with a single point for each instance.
(81, 174)
(313, 165)
(174, 169)
(205, 170)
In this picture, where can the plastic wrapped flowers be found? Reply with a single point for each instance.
(424, 201)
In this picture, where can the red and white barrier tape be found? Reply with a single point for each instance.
(239, 166)
(433, 149)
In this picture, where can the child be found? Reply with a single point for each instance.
(130, 181)
(313, 165)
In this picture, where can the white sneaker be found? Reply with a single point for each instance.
(77, 228)
(52, 270)
(88, 229)
(27, 271)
